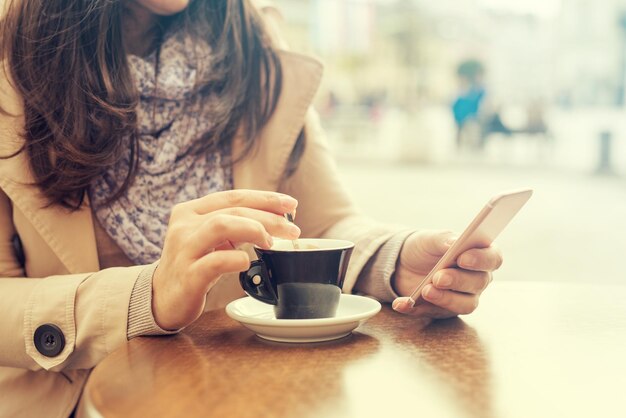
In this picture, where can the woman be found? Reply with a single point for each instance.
(142, 142)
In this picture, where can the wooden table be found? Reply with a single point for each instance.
(530, 350)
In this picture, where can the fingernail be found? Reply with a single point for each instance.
(293, 230)
(432, 293)
(288, 203)
(399, 304)
(468, 261)
(444, 280)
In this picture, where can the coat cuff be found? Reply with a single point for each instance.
(89, 312)
(375, 278)
(140, 317)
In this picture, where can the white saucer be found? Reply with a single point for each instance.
(259, 317)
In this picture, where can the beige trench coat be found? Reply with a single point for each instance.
(61, 283)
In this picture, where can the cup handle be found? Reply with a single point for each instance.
(255, 281)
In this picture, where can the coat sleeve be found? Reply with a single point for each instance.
(91, 310)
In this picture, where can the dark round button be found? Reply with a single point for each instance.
(49, 340)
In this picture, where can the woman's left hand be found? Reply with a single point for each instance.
(454, 291)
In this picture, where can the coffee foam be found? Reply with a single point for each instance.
(311, 244)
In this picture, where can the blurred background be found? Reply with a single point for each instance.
(432, 107)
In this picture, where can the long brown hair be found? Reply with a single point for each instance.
(67, 60)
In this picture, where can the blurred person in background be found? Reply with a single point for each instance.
(467, 106)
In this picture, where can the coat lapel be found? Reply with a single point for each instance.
(70, 235)
(264, 168)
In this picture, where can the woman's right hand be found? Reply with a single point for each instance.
(201, 245)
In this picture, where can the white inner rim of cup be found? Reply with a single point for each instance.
(306, 244)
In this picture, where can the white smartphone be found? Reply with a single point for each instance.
(480, 233)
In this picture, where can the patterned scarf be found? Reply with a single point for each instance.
(172, 115)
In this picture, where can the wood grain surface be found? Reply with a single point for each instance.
(530, 350)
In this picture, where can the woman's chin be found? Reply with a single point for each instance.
(164, 7)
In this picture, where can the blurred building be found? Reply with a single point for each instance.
(391, 70)
(590, 52)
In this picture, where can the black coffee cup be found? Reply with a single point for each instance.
(302, 283)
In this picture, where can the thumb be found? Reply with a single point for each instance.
(402, 305)
(435, 243)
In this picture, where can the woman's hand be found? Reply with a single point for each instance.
(201, 245)
(454, 291)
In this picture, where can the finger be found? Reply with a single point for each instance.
(481, 259)
(402, 304)
(421, 309)
(466, 281)
(433, 244)
(277, 203)
(459, 303)
(275, 225)
(206, 270)
(223, 228)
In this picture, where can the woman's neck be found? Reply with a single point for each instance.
(141, 29)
